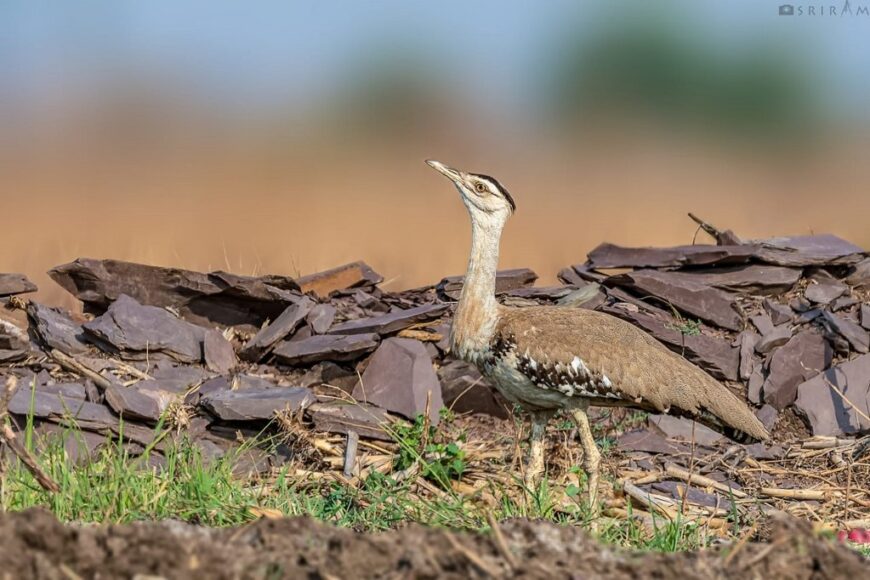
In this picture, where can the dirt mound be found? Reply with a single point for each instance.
(36, 545)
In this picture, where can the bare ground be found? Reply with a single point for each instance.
(36, 545)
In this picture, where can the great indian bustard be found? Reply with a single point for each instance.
(549, 358)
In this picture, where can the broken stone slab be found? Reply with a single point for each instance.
(505, 281)
(685, 294)
(814, 250)
(791, 251)
(778, 313)
(842, 303)
(763, 322)
(331, 375)
(55, 328)
(773, 339)
(14, 344)
(825, 292)
(549, 293)
(607, 256)
(350, 275)
(465, 390)
(202, 298)
(650, 441)
(768, 416)
(865, 316)
(217, 352)
(590, 296)
(747, 341)
(55, 406)
(805, 355)
(320, 318)
(859, 276)
(135, 331)
(136, 403)
(753, 388)
(685, 429)
(392, 322)
(755, 279)
(256, 404)
(714, 355)
(826, 410)
(262, 343)
(13, 284)
(851, 331)
(332, 347)
(367, 421)
(400, 378)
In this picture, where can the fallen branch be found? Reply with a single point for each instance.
(7, 435)
(697, 479)
(75, 366)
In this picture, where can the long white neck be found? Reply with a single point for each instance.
(477, 311)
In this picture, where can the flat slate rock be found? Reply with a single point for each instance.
(135, 331)
(13, 284)
(778, 313)
(747, 341)
(262, 343)
(55, 328)
(341, 278)
(649, 441)
(756, 279)
(256, 404)
(331, 347)
(714, 355)
(865, 316)
(392, 322)
(859, 276)
(815, 250)
(825, 292)
(805, 355)
(14, 345)
(320, 318)
(366, 421)
(774, 338)
(851, 331)
(465, 390)
(685, 429)
(53, 406)
(607, 256)
(202, 298)
(768, 416)
(217, 352)
(685, 294)
(136, 403)
(791, 251)
(505, 281)
(826, 411)
(400, 378)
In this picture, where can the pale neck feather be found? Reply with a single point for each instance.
(477, 312)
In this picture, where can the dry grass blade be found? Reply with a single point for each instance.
(500, 542)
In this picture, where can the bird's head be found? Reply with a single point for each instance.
(487, 200)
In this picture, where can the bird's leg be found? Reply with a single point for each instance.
(536, 463)
(591, 455)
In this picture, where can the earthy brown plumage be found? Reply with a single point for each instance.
(641, 371)
(551, 358)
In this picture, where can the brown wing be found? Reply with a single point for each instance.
(638, 368)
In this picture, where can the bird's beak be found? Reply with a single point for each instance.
(448, 172)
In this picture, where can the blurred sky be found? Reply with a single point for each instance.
(288, 137)
(244, 56)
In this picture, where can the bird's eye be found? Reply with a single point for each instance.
(480, 188)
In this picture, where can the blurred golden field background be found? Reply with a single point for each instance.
(267, 142)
